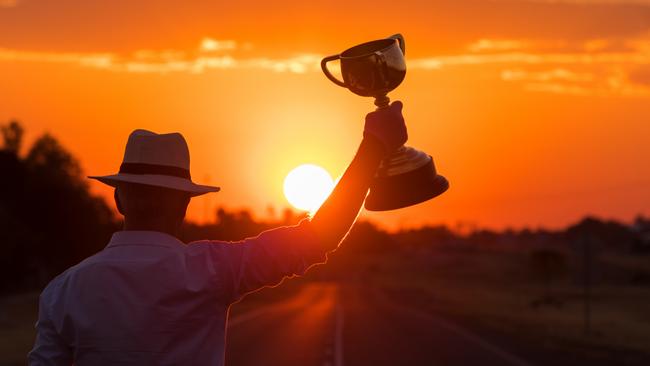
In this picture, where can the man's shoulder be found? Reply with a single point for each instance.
(61, 281)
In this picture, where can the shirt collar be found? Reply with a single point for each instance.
(147, 238)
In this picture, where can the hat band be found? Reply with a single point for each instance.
(144, 168)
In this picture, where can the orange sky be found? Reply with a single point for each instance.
(538, 112)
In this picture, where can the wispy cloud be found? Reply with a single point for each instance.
(209, 45)
(586, 69)
(83, 59)
(545, 76)
(612, 81)
(483, 45)
(589, 70)
(211, 54)
(298, 64)
(438, 62)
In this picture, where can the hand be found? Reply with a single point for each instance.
(387, 126)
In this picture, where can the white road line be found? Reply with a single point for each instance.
(338, 331)
(510, 358)
(481, 342)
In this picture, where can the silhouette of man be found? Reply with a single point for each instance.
(148, 298)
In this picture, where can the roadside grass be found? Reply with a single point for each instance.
(17, 318)
(487, 288)
(495, 290)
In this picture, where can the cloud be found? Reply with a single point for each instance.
(560, 88)
(83, 59)
(545, 76)
(609, 81)
(530, 59)
(589, 70)
(210, 54)
(594, 67)
(147, 61)
(483, 45)
(210, 45)
(299, 64)
(618, 89)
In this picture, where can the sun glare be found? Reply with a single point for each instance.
(307, 186)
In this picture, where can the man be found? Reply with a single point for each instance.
(149, 299)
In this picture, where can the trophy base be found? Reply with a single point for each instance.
(407, 188)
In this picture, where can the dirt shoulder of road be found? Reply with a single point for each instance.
(491, 294)
(18, 315)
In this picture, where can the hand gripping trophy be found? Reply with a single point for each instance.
(407, 176)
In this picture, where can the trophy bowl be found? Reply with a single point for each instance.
(407, 176)
(372, 68)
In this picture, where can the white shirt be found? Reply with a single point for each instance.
(149, 299)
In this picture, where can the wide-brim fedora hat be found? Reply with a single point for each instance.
(161, 160)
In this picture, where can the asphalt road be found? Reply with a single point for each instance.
(328, 325)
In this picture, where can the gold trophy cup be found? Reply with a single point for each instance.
(407, 176)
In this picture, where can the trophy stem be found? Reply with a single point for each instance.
(382, 101)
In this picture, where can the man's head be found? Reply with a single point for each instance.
(147, 207)
(154, 186)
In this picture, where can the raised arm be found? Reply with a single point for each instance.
(268, 258)
(384, 132)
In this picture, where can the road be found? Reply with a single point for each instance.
(331, 325)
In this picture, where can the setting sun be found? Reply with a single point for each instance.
(307, 186)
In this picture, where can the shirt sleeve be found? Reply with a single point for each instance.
(49, 348)
(268, 258)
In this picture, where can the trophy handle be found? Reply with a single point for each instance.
(400, 38)
(323, 65)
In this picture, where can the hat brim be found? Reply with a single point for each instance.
(165, 181)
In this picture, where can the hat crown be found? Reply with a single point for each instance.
(146, 147)
(161, 160)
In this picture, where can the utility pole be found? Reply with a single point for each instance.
(587, 259)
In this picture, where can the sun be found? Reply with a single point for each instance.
(307, 186)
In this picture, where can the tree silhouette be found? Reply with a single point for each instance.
(49, 221)
(48, 218)
(12, 135)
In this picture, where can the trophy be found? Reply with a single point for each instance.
(407, 176)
